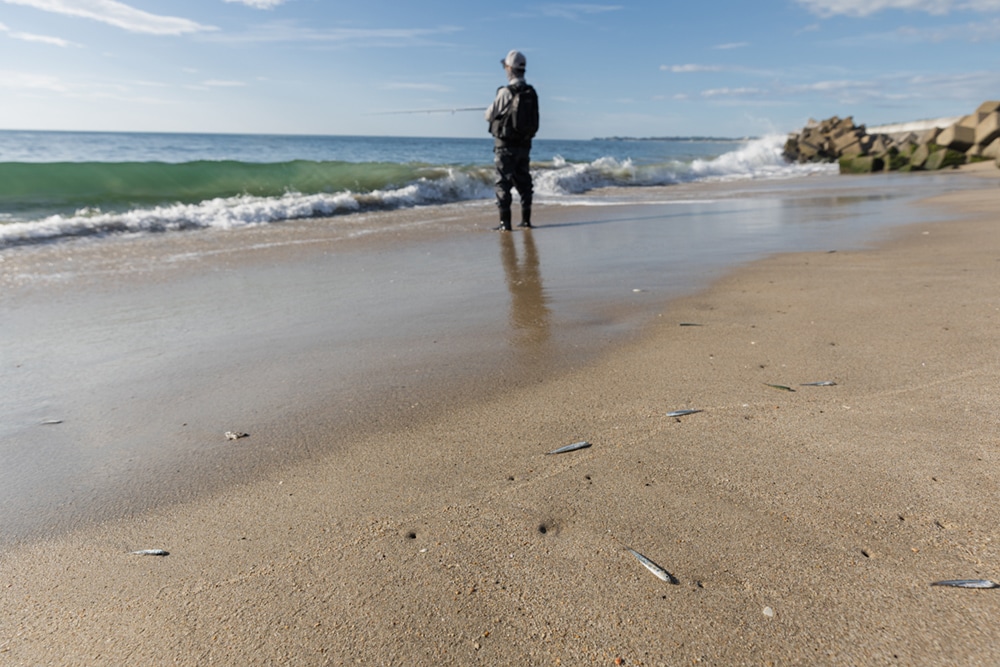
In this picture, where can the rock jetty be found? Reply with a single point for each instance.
(972, 138)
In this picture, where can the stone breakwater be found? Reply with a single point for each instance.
(972, 138)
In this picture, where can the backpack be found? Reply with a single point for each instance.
(520, 123)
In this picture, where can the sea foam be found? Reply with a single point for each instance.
(243, 211)
(757, 158)
(556, 180)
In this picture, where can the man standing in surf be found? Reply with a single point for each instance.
(513, 119)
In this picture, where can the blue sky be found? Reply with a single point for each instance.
(635, 68)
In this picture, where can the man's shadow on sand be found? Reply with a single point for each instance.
(529, 311)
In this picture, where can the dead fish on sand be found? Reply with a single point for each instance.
(779, 386)
(150, 552)
(236, 435)
(658, 571)
(570, 448)
(967, 583)
(824, 383)
(681, 413)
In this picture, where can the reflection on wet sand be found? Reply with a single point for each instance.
(529, 314)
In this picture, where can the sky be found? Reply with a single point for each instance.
(642, 68)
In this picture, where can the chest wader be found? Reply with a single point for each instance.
(512, 171)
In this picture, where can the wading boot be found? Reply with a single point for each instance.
(526, 217)
(504, 222)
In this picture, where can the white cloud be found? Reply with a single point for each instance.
(834, 87)
(685, 69)
(828, 8)
(219, 83)
(260, 4)
(27, 81)
(574, 11)
(732, 45)
(41, 39)
(147, 84)
(890, 90)
(965, 85)
(285, 31)
(29, 37)
(117, 14)
(982, 31)
(731, 92)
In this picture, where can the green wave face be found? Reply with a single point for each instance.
(67, 185)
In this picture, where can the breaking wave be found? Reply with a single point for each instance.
(42, 202)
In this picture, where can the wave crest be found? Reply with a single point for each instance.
(245, 210)
(758, 158)
(155, 197)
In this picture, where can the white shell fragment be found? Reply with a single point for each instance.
(150, 552)
(236, 435)
(681, 413)
(967, 583)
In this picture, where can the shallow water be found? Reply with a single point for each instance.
(147, 355)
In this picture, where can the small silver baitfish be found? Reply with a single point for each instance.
(658, 571)
(570, 448)
(779, 386)
(681, 413)
(824, 383)
(967, 583)
(150, 552)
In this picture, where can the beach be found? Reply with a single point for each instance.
(393, 502)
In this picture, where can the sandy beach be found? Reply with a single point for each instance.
(803, 523)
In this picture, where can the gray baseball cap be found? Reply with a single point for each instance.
(515, 60)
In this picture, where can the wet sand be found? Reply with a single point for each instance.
(146, 349)
(803, 527)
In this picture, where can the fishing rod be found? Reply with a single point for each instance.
(408, 111)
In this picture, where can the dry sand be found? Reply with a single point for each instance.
(804, 527)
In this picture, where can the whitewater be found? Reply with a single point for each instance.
(56, 186)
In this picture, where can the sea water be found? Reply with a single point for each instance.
(60, 185)
(117, 392)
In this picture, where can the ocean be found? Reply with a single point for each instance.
(60, 185)
(132, 342)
